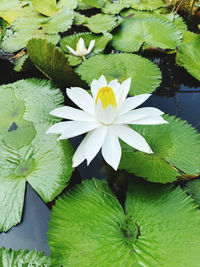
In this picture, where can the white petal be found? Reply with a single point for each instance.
(125, 87)
(94, 88)
(106, 116)
(94, 143)
(133, 102)
(150, 121)
(79, 155)
(131, 137)
(72, 50)
(91, 45)
(111, 150)
(102, 82)
(57, 128)
(75, 128)
(137, 114)
(72, 114)
(81, 44)
(82, 99)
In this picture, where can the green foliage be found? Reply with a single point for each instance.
(113, 8)
(94, 3)
(122, 66)
(101, 23)
(176, 146)
(144, 4)
(52, 62)
(23, 64)
(3, 25)
(153, 32)
(72, 40)
(25, 258)
(88, 227)
(188, 57)
(193, 189)
(45, 7)
(27, 154)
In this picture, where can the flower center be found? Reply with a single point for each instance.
(107, 97)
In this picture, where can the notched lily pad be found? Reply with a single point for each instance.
(21, 257)
(176, 147)
(122, 66)
(88, 227)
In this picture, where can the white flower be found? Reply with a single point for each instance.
(105, 116)
(81, 50)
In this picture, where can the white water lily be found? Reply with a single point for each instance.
(81, 50)
(105, 116)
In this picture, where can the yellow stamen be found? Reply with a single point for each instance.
(107, 97)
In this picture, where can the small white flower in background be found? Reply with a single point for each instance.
(81, 50)
(105, 116)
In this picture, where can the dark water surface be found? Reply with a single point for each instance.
(179, 95)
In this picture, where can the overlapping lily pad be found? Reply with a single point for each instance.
(122, 66)
(11, 258)
(72, 40)
(52, 62)
(27, 154)
(151, 31)
(188, 57)
(176, 148)
(88, 227)
(193, 189)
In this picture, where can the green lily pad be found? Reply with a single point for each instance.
(71, 40)
(122, 66)
(188, 57)
(52, 62)
(88, 227)
(79, 19)
(145, 4)
(113, 8)
(153, 32)
(3, 26)
(101, 23)
(11, 258)
(193, 189)
(176, 146)
(23, 64)
(44, 163)
(45, 7)
(94, 3)
(67, 3)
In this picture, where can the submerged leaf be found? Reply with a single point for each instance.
(122, 66)
(153, 32)
(52, 62)
(88, 227)
(176, 146)
(11, 258)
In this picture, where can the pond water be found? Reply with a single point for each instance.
(179, 95)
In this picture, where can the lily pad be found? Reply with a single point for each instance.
(193, 189)
(122, 66)
(145, 4)
(71, 40)
(88, 227)
(101, 23)
(9, 258)
(153, 32)
(94, 3)
(188, 57)
(113, 8)
(176, 147)
(52, 62)
(45, 7)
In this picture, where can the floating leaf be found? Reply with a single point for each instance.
(101, 23)
(188, 57)
(67, 3)
(23, 64)
(193, 188)
(45, 7)
(176, 146)
(52, 62)
(94, 3)
(113, 8)
(3, 25)
(11, 258)
(153, 32)
(79, 19)
(145, 4)
(72, 40)
(88, 227)
(122, 66)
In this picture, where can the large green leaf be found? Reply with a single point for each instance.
(193, 188)
(72, 40)
(25, 258)
(153, 32)
(101, 23)
(52, 62)
(144, 4)
(45, 7)
(188, 57)
(88, 227)
(27, 154)
(122, 66)
(176, 146)
(113, 8)
(94, 3)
